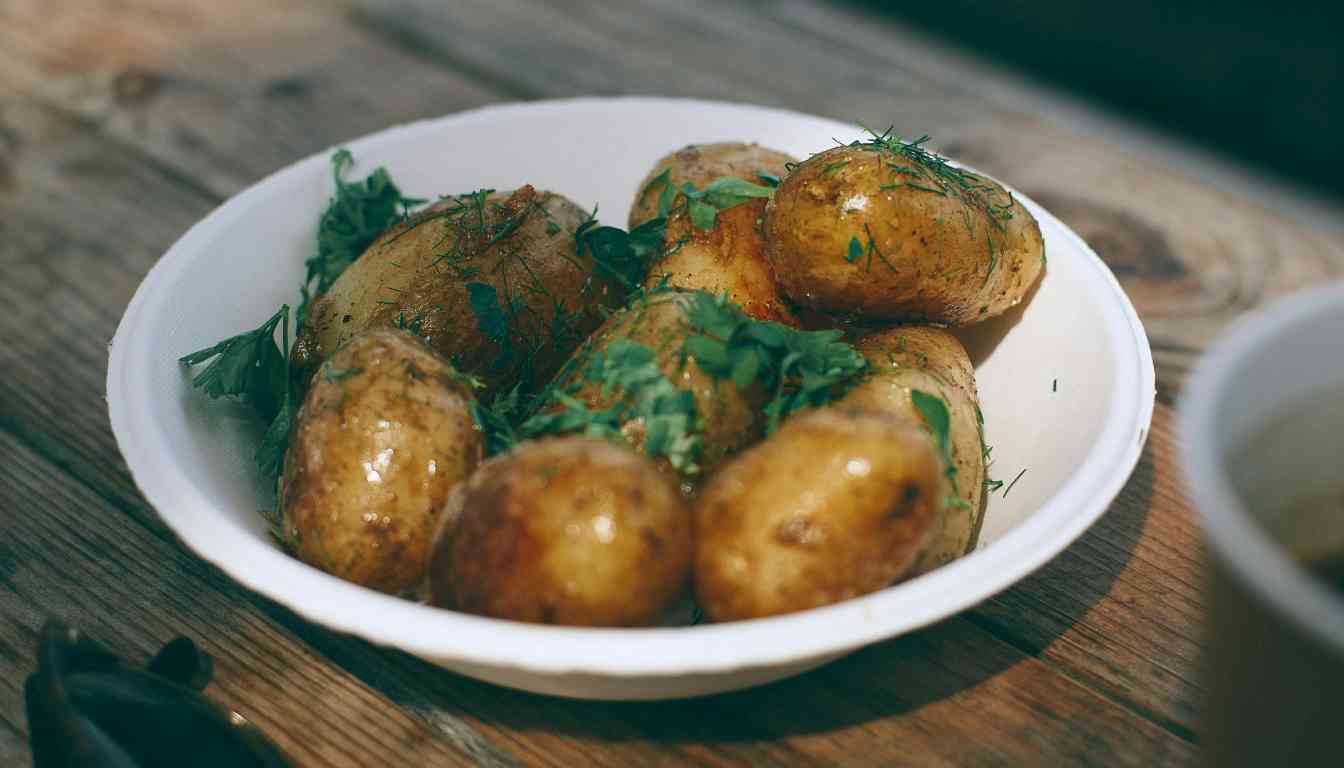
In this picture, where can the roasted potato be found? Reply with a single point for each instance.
(384, 433)
(888, 231)
(569, 530)
(494, 283)
(730, 257)
(833, 505)
(933, 361)
(729, 418)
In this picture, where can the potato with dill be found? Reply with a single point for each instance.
(384, 433)
(886, 230)
(689, 379)
(834, 505)
(923, 375)
(568, 530)
(494, 281)
(712, 198)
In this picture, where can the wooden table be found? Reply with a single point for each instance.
(122, 123)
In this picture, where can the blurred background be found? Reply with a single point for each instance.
(1257, 81)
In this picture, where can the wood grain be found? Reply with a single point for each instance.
(120, 125)
(70, 555)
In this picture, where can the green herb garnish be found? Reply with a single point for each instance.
(628, 369)
(703, 205)
(938, 419)
(1015, 479)
(855, 250)
(799, 369)
(357, 214)
(252, 368)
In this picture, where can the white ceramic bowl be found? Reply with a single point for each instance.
(1066, 386)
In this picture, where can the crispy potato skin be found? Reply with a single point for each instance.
(409, 277)
(568, 530)
(383, 435)
(934, 361)
(834, 505)
(730, 257)
(937, 258)
(732, 419)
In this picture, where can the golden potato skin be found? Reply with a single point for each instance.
(833, 505)
(731, 418)
(702, 163)
(417, 275)
(935, 257)
(384, 433)
(730, 257)
(568, 530)
(934, 361)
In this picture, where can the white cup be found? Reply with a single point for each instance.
(1274, 637)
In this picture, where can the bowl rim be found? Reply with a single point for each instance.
(715, 648)
(1244, 547)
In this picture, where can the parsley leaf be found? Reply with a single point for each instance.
(626, 368)
(799, 369)
(358, 213)
(620, 255)
(939, 421)
(252, 368)
(855, 250)
(720, 195)
(490, 316)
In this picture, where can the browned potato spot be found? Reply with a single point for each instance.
(832, 506)
(871, 233)
(730, 257)
(516, 251)
(931, 360)
(383, 435)
(568, 530)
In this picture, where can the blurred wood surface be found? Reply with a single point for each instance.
(122, 123)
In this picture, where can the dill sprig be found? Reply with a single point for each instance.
(798, 369)
(931, 172)
(703, 205)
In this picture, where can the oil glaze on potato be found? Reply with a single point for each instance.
(383, 435)
(568, 530)
(731, 418)
(871, 233)
(831, 506)
(730, 257)
(931, 360)
(419, 275)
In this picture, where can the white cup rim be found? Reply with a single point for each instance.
(1240, 543)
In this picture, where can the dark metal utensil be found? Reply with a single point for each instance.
(86, 709)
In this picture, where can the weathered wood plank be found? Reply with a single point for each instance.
(222, 95)
(72, 556)
(1122, 609)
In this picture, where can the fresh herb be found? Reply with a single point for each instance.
(1015, 479)
(931, 172)
(933, 409)
(799, 369)
(769, 180)
(830, 168)
(628, 369)
(496, 421)
(619, 255)
(703, 205)
(855, 250)
(252, 368)
(1054, 385)
(358, 213)
(992, 485)
(490, 316)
